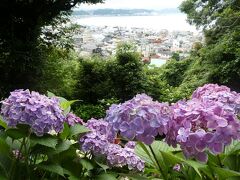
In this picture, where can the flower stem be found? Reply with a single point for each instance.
(154, 155)
(15, 162)
(219, 160)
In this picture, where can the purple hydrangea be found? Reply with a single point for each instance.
(177, 167)
(140, 118)
(41, 113)
(72, 119)
(131, 144)
(98, 138)
(202, 125)
(100, 142)
(212, 92)
(119, 157)
(17, 154)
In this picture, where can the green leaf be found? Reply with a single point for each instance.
(134, 176)
(63, 146)
(103, 166)
(5, 164)
(234, 147)
(15, 133)
(158, 146)
(87, 164)
(3, 123)
(50, 94)
(3, 178)
(48, 141)
(54, 168)
(4, 147)
(66, 131)
(78, 129)
(144, 153)
(195, 165)
(106, 177)
(66, 104)
(225, 173)
(171, 159)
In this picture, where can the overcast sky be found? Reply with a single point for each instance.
(134, 4)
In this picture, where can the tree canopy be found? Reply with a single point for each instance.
(216, 17)
(21, 22)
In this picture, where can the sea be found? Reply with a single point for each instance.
(170, 22)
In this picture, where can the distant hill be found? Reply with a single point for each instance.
(124, 12)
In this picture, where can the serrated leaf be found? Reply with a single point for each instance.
(78, 129)
(225, 173)
(171, 159)
(48, 141)
(55, 168)
(144, 153)
(158, 146)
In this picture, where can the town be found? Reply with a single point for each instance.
(155, 46)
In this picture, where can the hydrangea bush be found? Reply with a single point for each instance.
(198, 128)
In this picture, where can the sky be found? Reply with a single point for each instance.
(133, 4)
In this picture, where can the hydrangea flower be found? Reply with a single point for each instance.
(140, 118)
(131, 144)
(99, 137)
(202, 125)
(177, 167)
(100, 142)
(41, 113)
(72, 119)
(119, 157)
(212, 92)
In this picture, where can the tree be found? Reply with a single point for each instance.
(215, 17)
(127, 72)
(20, 28)
(220, 21)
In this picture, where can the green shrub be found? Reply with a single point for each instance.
(59, 72)
(97, 111)
(120, 77)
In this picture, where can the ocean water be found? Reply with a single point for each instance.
(172, 22)
(158, 62)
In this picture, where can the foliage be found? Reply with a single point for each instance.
(21, 59)
(127, 73)
(219, 58)
(97, 111)
(175, 80)
(121, 77)
(59, 72)
(93, 81)
(24, 155)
